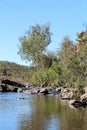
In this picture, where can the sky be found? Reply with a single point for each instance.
(66, 18)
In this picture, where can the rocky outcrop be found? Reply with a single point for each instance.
(65, 93)
(83, 97)
(7, 85)
(7, 88)
(39, 90)
(43, 91)
(36, 90)
(12, 83)
(31, 90)
(80, 101)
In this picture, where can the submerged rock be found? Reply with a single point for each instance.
(77, 103)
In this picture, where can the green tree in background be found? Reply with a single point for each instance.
(81, 55)
(66, 67)
(33, 44)
(65, 54)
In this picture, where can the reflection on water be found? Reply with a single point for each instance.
(44, 115)
(30, 112)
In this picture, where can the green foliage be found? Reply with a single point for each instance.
(65, 55)
(14, 71)
(4, 71)
(34, 43)
(66, 67)
(46, 77)
(74, 62)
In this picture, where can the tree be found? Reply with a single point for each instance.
(82, 58)
(65, 54)
(34, 43)
(75, 62)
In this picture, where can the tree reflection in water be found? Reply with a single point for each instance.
(49, 113)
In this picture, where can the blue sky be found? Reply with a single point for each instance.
(66, 18)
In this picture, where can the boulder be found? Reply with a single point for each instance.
(4, 88)
(78, 102)
(43, 91)
(7, 85)
(8, 88)
(27, 92)
(20, 90)
(75, 103)
(67, 95)
(12, 83)
(83, 97)
(35, 90)
(12, 88)
(85, 89)
(58, 90)
(0, 88)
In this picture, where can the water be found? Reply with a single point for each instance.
(30, 112)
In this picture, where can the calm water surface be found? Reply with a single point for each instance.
(29, 112)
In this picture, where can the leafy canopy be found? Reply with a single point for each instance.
(34, 43)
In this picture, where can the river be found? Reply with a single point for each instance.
(31, 112)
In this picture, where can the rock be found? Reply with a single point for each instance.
(27, 92)
(44, 91)
(66, 94)
(52, 91)
(71, 101)
(35, 90)
(31, 90)
(83, 97)
(85, 89)
(0, 88)
(20, 90)
(15, 89)
(8, 88)
(4, 88)
(58, 90)
(12, 88)
(76, 103)
(12, 83)
(7, 85)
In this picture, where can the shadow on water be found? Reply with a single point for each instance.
(27, 112)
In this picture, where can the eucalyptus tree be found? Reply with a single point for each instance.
(76, 62)
(33, 44)
(65, 54)
(82, 58)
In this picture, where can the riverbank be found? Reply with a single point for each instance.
(76, 97)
